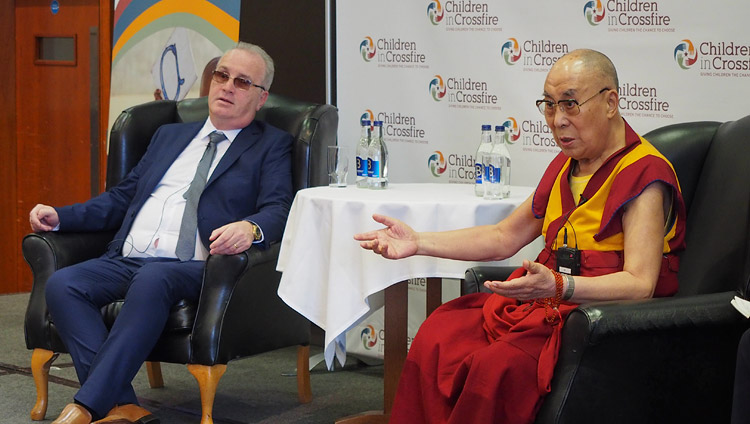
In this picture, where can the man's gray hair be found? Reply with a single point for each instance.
(252, 48)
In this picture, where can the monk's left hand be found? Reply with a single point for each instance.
(232, 238)
(539, 282)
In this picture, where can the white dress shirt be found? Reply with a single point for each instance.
(157, 226)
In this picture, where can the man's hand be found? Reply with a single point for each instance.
(396, 241)
(232, 238)
(536, 284)
(43, 218)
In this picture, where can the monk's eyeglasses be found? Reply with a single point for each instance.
(570, 107)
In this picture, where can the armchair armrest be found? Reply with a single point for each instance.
(55, 249)
(608, 319)
(46, 253)
(239, 296)
(475, 277)
(616, 359)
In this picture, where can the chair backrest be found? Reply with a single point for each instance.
(313, 127)
(712, 161)
(685, 145)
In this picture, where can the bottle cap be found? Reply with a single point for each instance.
(499, 128)
(378, 123)
(365, 122)
(486, 127)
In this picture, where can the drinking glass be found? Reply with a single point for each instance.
(338, 165)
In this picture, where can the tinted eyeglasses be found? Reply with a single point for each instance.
(570, 107)
(242, 83)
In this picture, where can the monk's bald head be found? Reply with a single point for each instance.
(590, 61)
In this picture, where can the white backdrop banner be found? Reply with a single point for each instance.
(434, 71)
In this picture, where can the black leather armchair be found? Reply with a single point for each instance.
(670, 359)
(238, 313)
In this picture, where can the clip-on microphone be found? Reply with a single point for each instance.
(568, 258)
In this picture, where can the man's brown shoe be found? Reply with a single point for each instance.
(128, 414)
(73, 414)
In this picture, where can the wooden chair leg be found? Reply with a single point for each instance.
(208, 378)
(155, 379)
(303, 374)
(41, 360)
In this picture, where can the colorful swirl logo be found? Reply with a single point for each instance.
(512, 132)
(511, 51)
(369, 337)
(594, 12)
(685, 54)
(436, 163)
(437, 88)
(367, 48)
(367, 116)
(435, 12)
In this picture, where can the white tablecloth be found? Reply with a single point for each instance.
(335, 283)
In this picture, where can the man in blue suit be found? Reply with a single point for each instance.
(245, 201)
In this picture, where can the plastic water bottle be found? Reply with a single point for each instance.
(500, 147)
(377, 159)
(485, 146)
(362, 147)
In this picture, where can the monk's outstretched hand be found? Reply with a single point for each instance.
(396, 241)
(536, 284)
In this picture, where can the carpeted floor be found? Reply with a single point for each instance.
(253, 390)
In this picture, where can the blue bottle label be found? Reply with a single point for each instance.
(361, 165)
(373, 169)
(478, 173)
(492, 174)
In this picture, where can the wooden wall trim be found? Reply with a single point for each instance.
(10, 245)
(106, 11)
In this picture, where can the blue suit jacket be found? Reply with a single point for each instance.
(253, 181)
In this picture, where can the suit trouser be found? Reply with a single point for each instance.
(107, 361)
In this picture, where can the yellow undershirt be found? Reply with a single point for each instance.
(577, 185)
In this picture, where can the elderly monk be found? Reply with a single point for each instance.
(609, 195)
